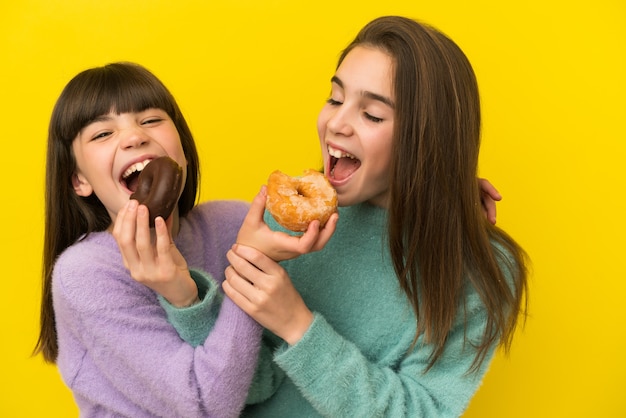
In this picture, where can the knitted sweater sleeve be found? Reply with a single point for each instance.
(120, 356)
(195, 323)
(338, 380)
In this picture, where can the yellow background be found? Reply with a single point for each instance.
(250, 76)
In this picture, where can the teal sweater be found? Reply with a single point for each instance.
(353, 360)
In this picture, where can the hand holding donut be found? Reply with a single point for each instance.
(156, 263)
(278, 245)
(150, 254)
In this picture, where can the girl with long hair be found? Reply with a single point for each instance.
(106, 313)
(401, 312)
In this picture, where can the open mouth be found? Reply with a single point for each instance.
(130, 177)
(342, 164)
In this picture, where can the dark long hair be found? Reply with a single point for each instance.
(439, 239)
(117, 87)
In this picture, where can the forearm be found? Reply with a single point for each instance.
(130, 345)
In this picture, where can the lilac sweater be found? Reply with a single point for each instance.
(117, 351)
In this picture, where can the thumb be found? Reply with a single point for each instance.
(257, 207)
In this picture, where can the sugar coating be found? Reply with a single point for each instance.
(297, 201)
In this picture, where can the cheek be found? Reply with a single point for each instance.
(321, 126)
(76, 150)
(383, 156)
(175, 150)
(180, 158)
(80, 160)
(321, 133)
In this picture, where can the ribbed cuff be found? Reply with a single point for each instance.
(195, 322)
(313, 355)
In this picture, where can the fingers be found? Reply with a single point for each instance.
(257, 207)
(307, 240)
(250, 263)
(241, 289)
(487, 188)
(327, 232)
(142, 234)
(163, 237)
(117, 225)
(253, 229)
(488, 197)
(151, 256)
(142, 255)
(238, 290)
(267, 296)
(254, 266)
(278, 245)
(489, 208)
(314, 239)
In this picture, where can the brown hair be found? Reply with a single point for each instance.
(439, 239)
(120, 88)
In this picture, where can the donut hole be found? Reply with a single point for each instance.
(304, 189)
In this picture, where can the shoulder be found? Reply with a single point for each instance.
(89, 252)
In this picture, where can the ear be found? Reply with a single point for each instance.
(81, 185)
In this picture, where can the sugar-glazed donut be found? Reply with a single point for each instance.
(294, 202)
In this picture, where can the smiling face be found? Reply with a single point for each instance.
(110, 150)
(355, 127)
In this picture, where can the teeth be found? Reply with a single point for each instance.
(339, 154)
(135, 167)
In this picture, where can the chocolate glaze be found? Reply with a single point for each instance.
(159, 187)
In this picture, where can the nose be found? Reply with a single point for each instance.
(133, 138)
(340, 121)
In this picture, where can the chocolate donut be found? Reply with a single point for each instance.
(159, 186)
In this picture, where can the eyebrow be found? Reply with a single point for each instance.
(368, 94)
(100, 118)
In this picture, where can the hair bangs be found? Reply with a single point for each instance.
(113, 88)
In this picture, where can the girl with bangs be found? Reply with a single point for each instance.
(108, 331)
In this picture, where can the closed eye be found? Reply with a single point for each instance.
(373, 118)
(152, 120)
(101, 135)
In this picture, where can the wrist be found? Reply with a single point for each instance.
(189, 303)
(300, 325)
(185, 294)
(181, 303)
